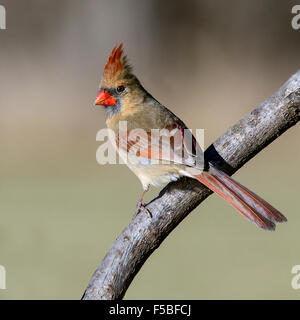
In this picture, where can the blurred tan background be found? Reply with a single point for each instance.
(61, 211)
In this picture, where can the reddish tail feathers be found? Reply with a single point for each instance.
(250, 205)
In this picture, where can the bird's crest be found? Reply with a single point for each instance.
(116, 68)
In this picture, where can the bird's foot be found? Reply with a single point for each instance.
(140, 207)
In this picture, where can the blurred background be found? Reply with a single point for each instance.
(61, 211)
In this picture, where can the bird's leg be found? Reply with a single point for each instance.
(140, 205)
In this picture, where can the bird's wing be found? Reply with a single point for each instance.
(173, 144)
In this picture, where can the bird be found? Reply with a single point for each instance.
(126, 100)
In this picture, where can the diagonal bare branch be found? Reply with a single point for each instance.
(229, 152)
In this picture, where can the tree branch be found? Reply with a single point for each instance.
(229, 152)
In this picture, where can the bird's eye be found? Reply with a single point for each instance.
(120, 89)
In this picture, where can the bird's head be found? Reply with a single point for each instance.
(119, 88)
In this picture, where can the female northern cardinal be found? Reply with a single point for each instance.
(125, 99)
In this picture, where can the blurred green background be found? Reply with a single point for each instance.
(61, 211)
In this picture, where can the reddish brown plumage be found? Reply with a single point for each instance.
(245, 201)
(114, 62)
(116, 67)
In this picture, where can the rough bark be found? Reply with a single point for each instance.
(229, 152)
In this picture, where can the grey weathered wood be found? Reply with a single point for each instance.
(232, 150)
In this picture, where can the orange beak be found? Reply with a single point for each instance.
(105, 99)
